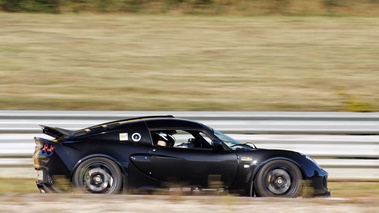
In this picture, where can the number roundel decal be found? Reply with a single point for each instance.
(136, 137)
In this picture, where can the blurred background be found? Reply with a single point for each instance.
(200, 56)
(249, 55)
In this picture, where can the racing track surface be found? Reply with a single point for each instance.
(59, 203)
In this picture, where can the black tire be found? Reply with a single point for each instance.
(98, 175)
(278, 178)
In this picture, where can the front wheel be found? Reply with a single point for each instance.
(278, 178)
(98, 175)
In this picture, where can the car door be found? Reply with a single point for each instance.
(193, 166)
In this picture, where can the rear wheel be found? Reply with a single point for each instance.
(98, 175)
(278, 178)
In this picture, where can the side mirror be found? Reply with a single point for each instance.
(217, 145)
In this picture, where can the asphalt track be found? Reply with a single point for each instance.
(83, 203)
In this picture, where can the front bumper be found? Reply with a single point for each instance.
(319, 184)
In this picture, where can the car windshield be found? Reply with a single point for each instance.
(232, 143)
(226, 139)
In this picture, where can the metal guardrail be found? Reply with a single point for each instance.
(229, 122)
(346, 144)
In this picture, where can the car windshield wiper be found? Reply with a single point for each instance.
(248, 144)
(251, 145)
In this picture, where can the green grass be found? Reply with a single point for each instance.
(18, 185)
(159, 62)
(354, 189)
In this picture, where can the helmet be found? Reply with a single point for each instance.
(168, 138)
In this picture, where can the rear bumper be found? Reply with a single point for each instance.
(45, 188)
(44, 182)
(51, 187)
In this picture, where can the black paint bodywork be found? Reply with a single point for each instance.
(146, 166)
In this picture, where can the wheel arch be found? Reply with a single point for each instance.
(255, 171)
(123, 172)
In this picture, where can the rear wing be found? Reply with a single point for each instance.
(56, 132)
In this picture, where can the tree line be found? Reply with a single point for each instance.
(206, 7)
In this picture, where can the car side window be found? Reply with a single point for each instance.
(206, 138)
(193, 140)
(182, 139)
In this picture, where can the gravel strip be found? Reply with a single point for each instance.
(59, 203)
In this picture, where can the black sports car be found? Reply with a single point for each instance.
(147, 154)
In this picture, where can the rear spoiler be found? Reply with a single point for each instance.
(56, 132)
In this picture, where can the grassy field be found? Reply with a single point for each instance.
(158, 62)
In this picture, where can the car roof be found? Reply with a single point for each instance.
(152, 122)
(129, 120)
(174, 123)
